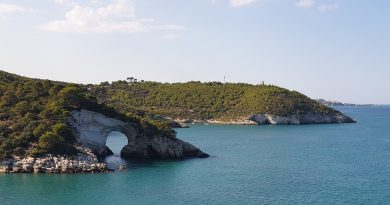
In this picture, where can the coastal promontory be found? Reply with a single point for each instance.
(56, 127)
(216, 102)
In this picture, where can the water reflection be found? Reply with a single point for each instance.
(115, 141)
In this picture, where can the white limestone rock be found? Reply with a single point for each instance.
(85, 162)
(91, 129)
(308, 118)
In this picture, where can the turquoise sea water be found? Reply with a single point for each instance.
(309, 164)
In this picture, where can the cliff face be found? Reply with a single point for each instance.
(91, 129)
(144, 147)
(309, 118)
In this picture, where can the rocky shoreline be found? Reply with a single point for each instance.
(301, 119)
(91, 130)
(269, 119)
(184, 122)
(84, 162)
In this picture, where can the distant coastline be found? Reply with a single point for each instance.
(337, 103)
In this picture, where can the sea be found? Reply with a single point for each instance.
(282, 164)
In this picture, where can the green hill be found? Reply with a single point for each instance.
(33, 116)
(203, 101)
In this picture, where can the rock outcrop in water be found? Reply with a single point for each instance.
(144, 147)
(91, 129)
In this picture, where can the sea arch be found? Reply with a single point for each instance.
(92, 129)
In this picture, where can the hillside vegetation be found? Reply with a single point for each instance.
(34, 113)
(202, 101)
(33, 116)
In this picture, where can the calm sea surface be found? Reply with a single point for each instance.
(309, 164)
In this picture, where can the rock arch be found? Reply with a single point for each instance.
(116, 141)
(92, 128)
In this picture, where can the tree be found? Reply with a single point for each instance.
(63, 130)
(8, 99)
(106, 83)
(19, 151)
(72, 96)
(51, 142)
(130, 79)
(21, 108)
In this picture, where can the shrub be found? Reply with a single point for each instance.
(19, 151)
(40, 130)
(21, 108)
(63, 130)
(51, 142)
(36, 152)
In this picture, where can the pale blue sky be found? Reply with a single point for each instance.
(332, 49)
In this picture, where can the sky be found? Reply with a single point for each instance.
(331, 49)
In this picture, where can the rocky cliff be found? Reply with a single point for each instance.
(309, 118)
(269, 119)
(91, 129)
(144, 147)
